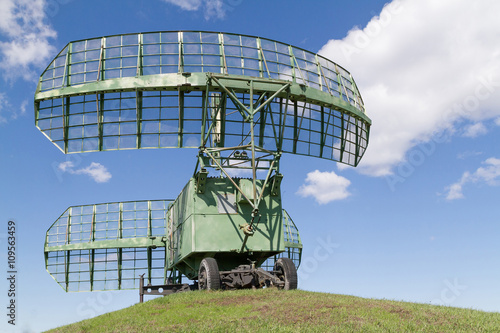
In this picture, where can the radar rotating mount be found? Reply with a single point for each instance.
(242, 101)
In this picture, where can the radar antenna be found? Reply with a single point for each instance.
(242, 101)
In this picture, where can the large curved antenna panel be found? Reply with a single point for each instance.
(200, 89)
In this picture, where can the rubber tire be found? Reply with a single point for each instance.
(286, 271)
(209, 270)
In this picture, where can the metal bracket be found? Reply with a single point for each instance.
(201, 180)
(162, 290)
(247, 229)
(276, 184)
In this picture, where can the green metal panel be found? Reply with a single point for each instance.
(293, 244)
(105, 246)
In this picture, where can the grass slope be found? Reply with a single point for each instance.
(271, 310)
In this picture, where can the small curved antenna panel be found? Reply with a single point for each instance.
(106, 246)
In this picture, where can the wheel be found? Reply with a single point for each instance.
(286, 271)
(208, 275)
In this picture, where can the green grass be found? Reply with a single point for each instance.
(271, 310)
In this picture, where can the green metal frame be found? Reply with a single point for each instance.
(293, 244)
(81, 232)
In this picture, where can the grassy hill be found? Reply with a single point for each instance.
(272, 310)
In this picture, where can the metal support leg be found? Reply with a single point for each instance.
(141, 288)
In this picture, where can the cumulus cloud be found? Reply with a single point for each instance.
(474, 130)
(454, 191)
(64, 166)
(25, 37)
(211, 8)
(325, 187)
(422, 67)
(489, 174)
(96, 171)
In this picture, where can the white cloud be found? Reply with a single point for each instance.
(490, 175)
(474, 130)
(467, 154)
(325, 187)
(26, 37)
(96, 171)
(497, 121)
(455, 190)
(23, 107)
(211, 8)
(186, 4)
(214, 8)
(65, 166)
(3, 104)
(422, 66)
(7, 111)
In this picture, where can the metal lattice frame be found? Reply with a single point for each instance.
(106, 246)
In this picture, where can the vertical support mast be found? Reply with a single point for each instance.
(92, 252)
(252, 143)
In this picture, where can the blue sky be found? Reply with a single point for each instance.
(416, 221)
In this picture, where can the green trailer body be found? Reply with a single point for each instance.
(210, 224)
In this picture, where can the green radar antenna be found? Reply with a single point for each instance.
(241, 101)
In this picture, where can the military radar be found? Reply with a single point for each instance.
(241, 101)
